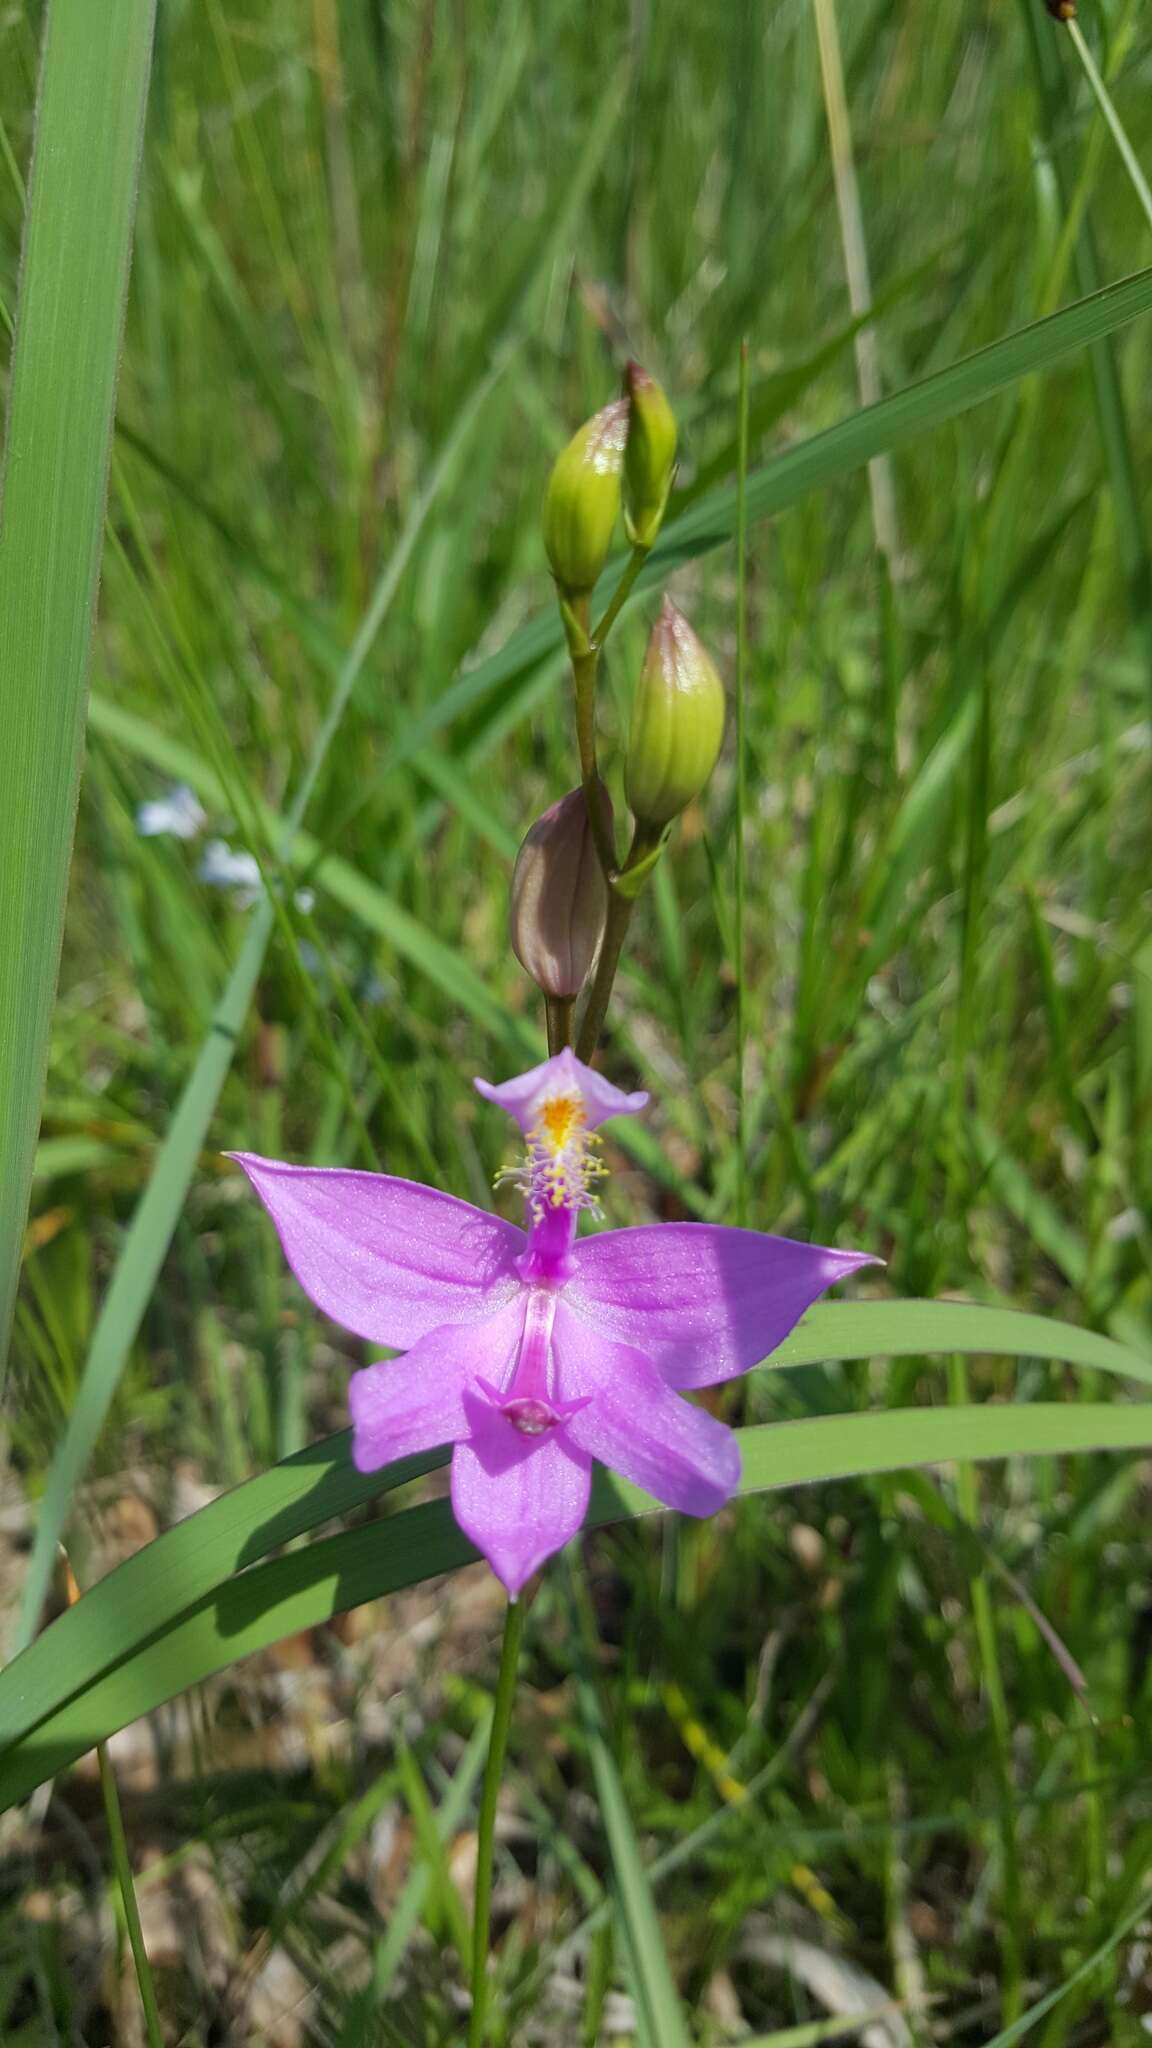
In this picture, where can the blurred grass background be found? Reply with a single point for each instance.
(371, 233)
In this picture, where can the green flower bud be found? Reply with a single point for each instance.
(559, 897)
(583, 498)
(677, 722)
(649, 457)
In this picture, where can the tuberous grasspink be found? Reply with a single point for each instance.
(534, 1351)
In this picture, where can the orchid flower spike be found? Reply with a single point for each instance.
(532, 1352)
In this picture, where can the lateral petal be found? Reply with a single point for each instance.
(388, 1259)
(408, 1404)
(637, 1426)
(703, 1301)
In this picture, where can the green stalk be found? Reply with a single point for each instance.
(620, 596)
(486, 1836)
(850, 213)
(988, 1648)
(1116, 439)
(620, 910)
(558, 1021)
(623, 890)
(741, 788)
(121, 1863)
(1119, 133)
(584, 666)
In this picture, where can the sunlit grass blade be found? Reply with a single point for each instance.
(655, 1990)
(150, 1232)
(811, 465)
(309, 1586)
(449, 1816)
(77, 243)
(1107, 392)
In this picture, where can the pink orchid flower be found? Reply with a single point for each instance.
(533, 1353)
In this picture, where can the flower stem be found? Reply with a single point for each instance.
(596, 1009)
(486, 1835)
(646, 841)
(620, 596)
(1119, 133)
(122, 1861)
(558, 1021)
(584, 666)
(741, 789)
(122, 1864)
(984, 1617)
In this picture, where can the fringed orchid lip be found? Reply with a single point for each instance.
(531, 1352)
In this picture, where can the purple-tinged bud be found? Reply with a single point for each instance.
(559, 897)
(677, 722)
(583, 499)
(649, 457)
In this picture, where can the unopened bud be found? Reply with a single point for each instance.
(677, 722)
(583, 498)
(649, 457)
(559, 897)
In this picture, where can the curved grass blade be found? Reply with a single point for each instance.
(319, 1484)
(1100, 1955)
(307, 1587)
(839, 1330)
(77, 247)
(1107, 391)
(811, 465)
(158, 1210)
(631, 1887)
(710, 521)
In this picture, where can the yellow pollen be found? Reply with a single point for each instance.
(561, 1118)
(562, 1165)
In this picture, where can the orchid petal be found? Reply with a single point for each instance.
(388, 1259)
(563, 1073)
(635, 1425)
(519, 1498)
(408, 1404)
(703, 1301)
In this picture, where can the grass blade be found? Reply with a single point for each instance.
(141, 1667)
(1107, 394)
(150, 1232)
(318, 1484)
(77, 244)
(711, 521)
(654, 1988)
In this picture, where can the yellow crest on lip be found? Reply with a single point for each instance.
(560, 1119)
(563, 1163)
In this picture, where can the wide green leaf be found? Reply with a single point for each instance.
(77, 242)
(319, 1483)
(309, 1586)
